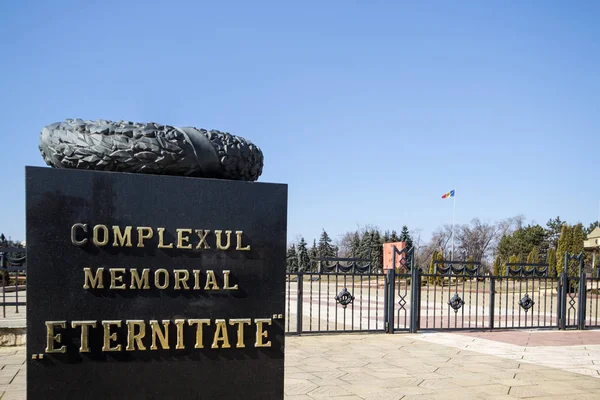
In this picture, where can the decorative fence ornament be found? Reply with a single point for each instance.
(526, 302)
(344, 298)
(456, 302)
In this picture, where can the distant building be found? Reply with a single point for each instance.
(593, 243)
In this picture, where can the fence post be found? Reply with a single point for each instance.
(299, 303)
(414, 299)
(582, 300)
(492, 300)
(564, 283)
(4, 277)
(390, 299)
(386, 285)
(419, 286)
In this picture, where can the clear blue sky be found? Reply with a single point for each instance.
(369, 110)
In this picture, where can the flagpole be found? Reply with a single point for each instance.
(453, 214)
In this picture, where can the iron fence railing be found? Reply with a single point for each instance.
(348, 295)
(335, 302)
(458, 295)
(13, 270)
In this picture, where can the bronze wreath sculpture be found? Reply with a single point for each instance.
(150, 148)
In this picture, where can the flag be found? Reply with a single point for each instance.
(448, 195)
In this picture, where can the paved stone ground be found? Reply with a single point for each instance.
(12, 373)
(439, 366)
(482, 365)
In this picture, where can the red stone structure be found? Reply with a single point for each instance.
(388, 249)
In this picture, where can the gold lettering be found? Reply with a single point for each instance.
(211, 280)
(74, 235)
(85, 333)
(96, 235)
(261, 333)
(51, 337)
(136, 280)
(181, 279)
(96, 239)
(183, 239)
(240, 332)
(239, 242)
(161, 238)
(108, 337)
(221, 335)
(141, 235)
(202, 235)
(219, 242)
(157, 278)
(122, 239)
(179, 323)
(163, 336)
(226, 281)
(196, 279)
(135, 338)
(114, 278)
(199, 323)
(96, 281)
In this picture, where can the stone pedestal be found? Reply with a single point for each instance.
(154, 287)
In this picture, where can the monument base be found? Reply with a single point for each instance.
(154, 287)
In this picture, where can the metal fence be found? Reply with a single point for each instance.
(344, 295)
(458, 295)
(13, 270)
(348, 295)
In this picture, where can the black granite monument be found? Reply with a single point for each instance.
(146, 286)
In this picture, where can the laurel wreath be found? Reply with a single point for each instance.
(144, 148)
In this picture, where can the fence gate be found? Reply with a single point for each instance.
(573, 293)
(459, 295)
(339, 295)
(401, 313)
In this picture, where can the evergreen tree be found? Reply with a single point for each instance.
(386, 237)
(554, 229)
(405, 237)
(551, 262)
(377, 251)
(365, 249)
(512, 259)
(394, 237)
(533, 257)
(355, 245)
(577, 238)
(564, 242)
(303, 257)
(292, 259)
(522, 241)
(325, 248)
(497, 271)
(313, 254)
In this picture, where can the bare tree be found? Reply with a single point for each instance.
(477, 239)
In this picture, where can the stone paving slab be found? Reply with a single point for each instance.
(534, 338)
(562, 350)
(404, 367)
